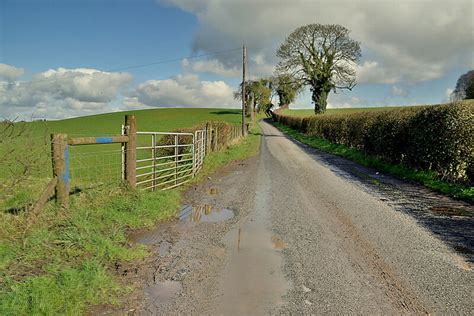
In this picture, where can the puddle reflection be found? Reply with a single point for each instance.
(163, 292)
(213, 191)
(278, 243)
(204, 214)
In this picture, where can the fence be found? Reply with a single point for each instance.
(149, 160)
(169, 165)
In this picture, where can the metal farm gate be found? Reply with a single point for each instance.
(167, 160)
(148, 160)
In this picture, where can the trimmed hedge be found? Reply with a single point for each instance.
(437, 138)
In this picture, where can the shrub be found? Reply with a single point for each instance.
(436, 138)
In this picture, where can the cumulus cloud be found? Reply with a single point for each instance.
(182, 91)
(59, 93)
(398, 92)
(10, 73)
(410, 41)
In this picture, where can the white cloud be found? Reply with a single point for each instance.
(345, 99)
(212, 66)
(372, 72)
(402, 41)
(10, 73)
(398, 92)
(448, 92)
(448, 95)
(182, 91)
(60, 93)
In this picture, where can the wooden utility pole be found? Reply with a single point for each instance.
(244, 57)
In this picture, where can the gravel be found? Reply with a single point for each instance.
(307, 237)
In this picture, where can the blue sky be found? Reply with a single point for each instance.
(71, 46)
(39, 35)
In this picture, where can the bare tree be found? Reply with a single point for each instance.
(322, 57)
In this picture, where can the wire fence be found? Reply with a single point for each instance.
(145, 160)
(89, 168)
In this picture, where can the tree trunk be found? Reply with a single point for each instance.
(252, 112)
(320, 100)
(251, 105)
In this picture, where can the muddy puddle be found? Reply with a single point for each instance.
(204, 214)
(162, 292)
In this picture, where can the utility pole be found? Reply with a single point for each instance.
(244, 57)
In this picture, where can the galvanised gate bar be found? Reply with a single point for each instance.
(149, 160)
(170, 160)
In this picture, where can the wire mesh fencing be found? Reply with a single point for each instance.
(146, 160)
(93, 166)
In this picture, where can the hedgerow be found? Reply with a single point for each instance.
(435, 138)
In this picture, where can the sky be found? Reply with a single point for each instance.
(69, 58)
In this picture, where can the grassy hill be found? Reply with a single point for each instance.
(147, 120)
(26, 157)
(62, 260)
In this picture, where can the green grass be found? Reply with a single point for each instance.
(65, 261)
(147, 120)
(247, 147)
(26, 158)
(310, 112)
(428, 179)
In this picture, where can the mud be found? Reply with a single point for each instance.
(300, 232)
(188, 253)
(162, 292)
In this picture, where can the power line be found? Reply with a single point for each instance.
(173, 60)
(139, 65)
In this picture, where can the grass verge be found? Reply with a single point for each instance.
(426, 178)
(64, 262)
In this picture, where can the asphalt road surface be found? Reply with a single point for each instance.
(306, 239)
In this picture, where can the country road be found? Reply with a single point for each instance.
(308, 238)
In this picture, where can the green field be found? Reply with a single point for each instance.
(147, 120)
(26, 158)
(310, 112)
(61, 261)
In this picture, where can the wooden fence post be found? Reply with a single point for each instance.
(131, 151)
(59, 155)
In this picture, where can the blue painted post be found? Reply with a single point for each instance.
(59, 155)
